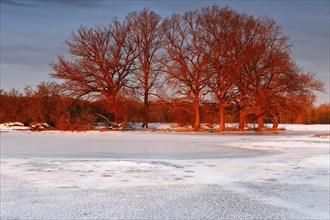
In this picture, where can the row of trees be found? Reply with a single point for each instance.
(44, 104)
(214, 55)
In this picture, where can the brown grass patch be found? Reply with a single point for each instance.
(322, 135)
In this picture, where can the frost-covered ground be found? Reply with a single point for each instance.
(139, 175)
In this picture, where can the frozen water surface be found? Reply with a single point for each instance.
(147, 175)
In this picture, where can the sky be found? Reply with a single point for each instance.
(33, 32)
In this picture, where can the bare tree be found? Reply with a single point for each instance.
(186, 57)
(263, 65)
(101, 59)
(147, 34)
(266, 70)
(220, 29)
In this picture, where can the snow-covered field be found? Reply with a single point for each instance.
(152, 175)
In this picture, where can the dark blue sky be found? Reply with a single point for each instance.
(33, 32)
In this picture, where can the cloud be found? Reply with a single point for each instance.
(56, 3)
(15, 3)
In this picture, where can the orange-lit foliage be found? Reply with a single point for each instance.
(159, 110)
(321, 114)
(73, 114)
(44, 105)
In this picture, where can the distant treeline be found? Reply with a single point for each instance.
(46, 104)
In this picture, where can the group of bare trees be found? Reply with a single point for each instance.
(213, 54)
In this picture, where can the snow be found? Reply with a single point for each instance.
(170, 126)
(13, 126)
(299, 127)
(206, 126)
(158, 175)
(178, 127)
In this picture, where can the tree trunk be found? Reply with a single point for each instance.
(146, 109)
(146, 70)
(221, 117)
(112, 106)
(197, 113)
(275, 121)
(260, 122)
(241, 119)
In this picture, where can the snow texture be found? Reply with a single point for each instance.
(150, 175)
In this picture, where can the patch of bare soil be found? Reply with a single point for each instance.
(322, 135)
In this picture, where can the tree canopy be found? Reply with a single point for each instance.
(215, 55)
